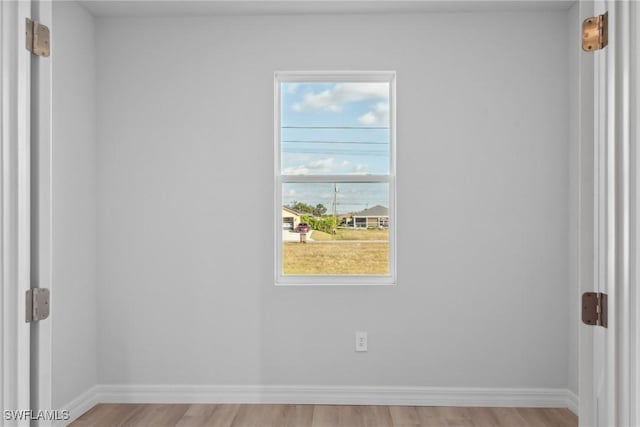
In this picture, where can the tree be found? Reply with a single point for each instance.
(318, 210)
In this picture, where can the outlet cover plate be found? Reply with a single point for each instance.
(361, 341)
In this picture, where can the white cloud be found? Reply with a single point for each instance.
(297, 170)
(360, 168)
(379, 115)
(321, 164)
(292, 87)
(342, 93)
(368, 119)
(326, 166)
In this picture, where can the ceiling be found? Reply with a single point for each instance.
(299, 7)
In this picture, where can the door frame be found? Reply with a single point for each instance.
(25, 212)
(620, 179)
(15, 207)
(626, 310)
(634, 207)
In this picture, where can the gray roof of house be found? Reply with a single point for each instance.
(376, 211)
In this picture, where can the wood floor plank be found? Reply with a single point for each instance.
(105, 415)
(260, 416)
(443, 416)
(564, 417)
(509, 417)
(223, 416)
(364, 416)
(351, 416)
(460, 422)
(93, 416)
(134, 416)
(404, 416)
(537, 417)
(197, 415)
(129, 415)
(325, 416)
(298, 415)
(160, 415)
(483, 417)
(376, 416)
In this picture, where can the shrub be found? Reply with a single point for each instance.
(326, 224)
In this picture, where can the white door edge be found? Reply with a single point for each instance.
(634, 313)
(42, 229)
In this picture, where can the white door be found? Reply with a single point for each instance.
(25, 147)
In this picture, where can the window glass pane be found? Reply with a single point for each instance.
(335, 229)
(335, 128)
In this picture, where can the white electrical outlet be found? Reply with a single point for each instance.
(361, 341)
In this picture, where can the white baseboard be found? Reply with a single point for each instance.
(79, 406)
(573, 402)
(336, 395)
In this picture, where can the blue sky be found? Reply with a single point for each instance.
(335, 128)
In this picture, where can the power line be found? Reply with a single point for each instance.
(336, 152)
(334, 127)
(335, 142)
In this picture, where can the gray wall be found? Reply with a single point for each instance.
(74, 187)
(185, 133)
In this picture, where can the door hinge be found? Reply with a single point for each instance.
(37, 304)
(594, 309)
(37, 38)
(595, 32)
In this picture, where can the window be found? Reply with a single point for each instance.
(335, 178)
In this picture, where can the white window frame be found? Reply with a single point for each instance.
(390, 179)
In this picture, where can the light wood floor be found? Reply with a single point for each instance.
(319, 416)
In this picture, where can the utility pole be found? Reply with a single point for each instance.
(335, 206)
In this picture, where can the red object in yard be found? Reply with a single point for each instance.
(303, 227)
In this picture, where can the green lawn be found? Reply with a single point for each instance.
(336, 258)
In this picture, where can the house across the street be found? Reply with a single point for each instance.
(290, 218)
(377, 216)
